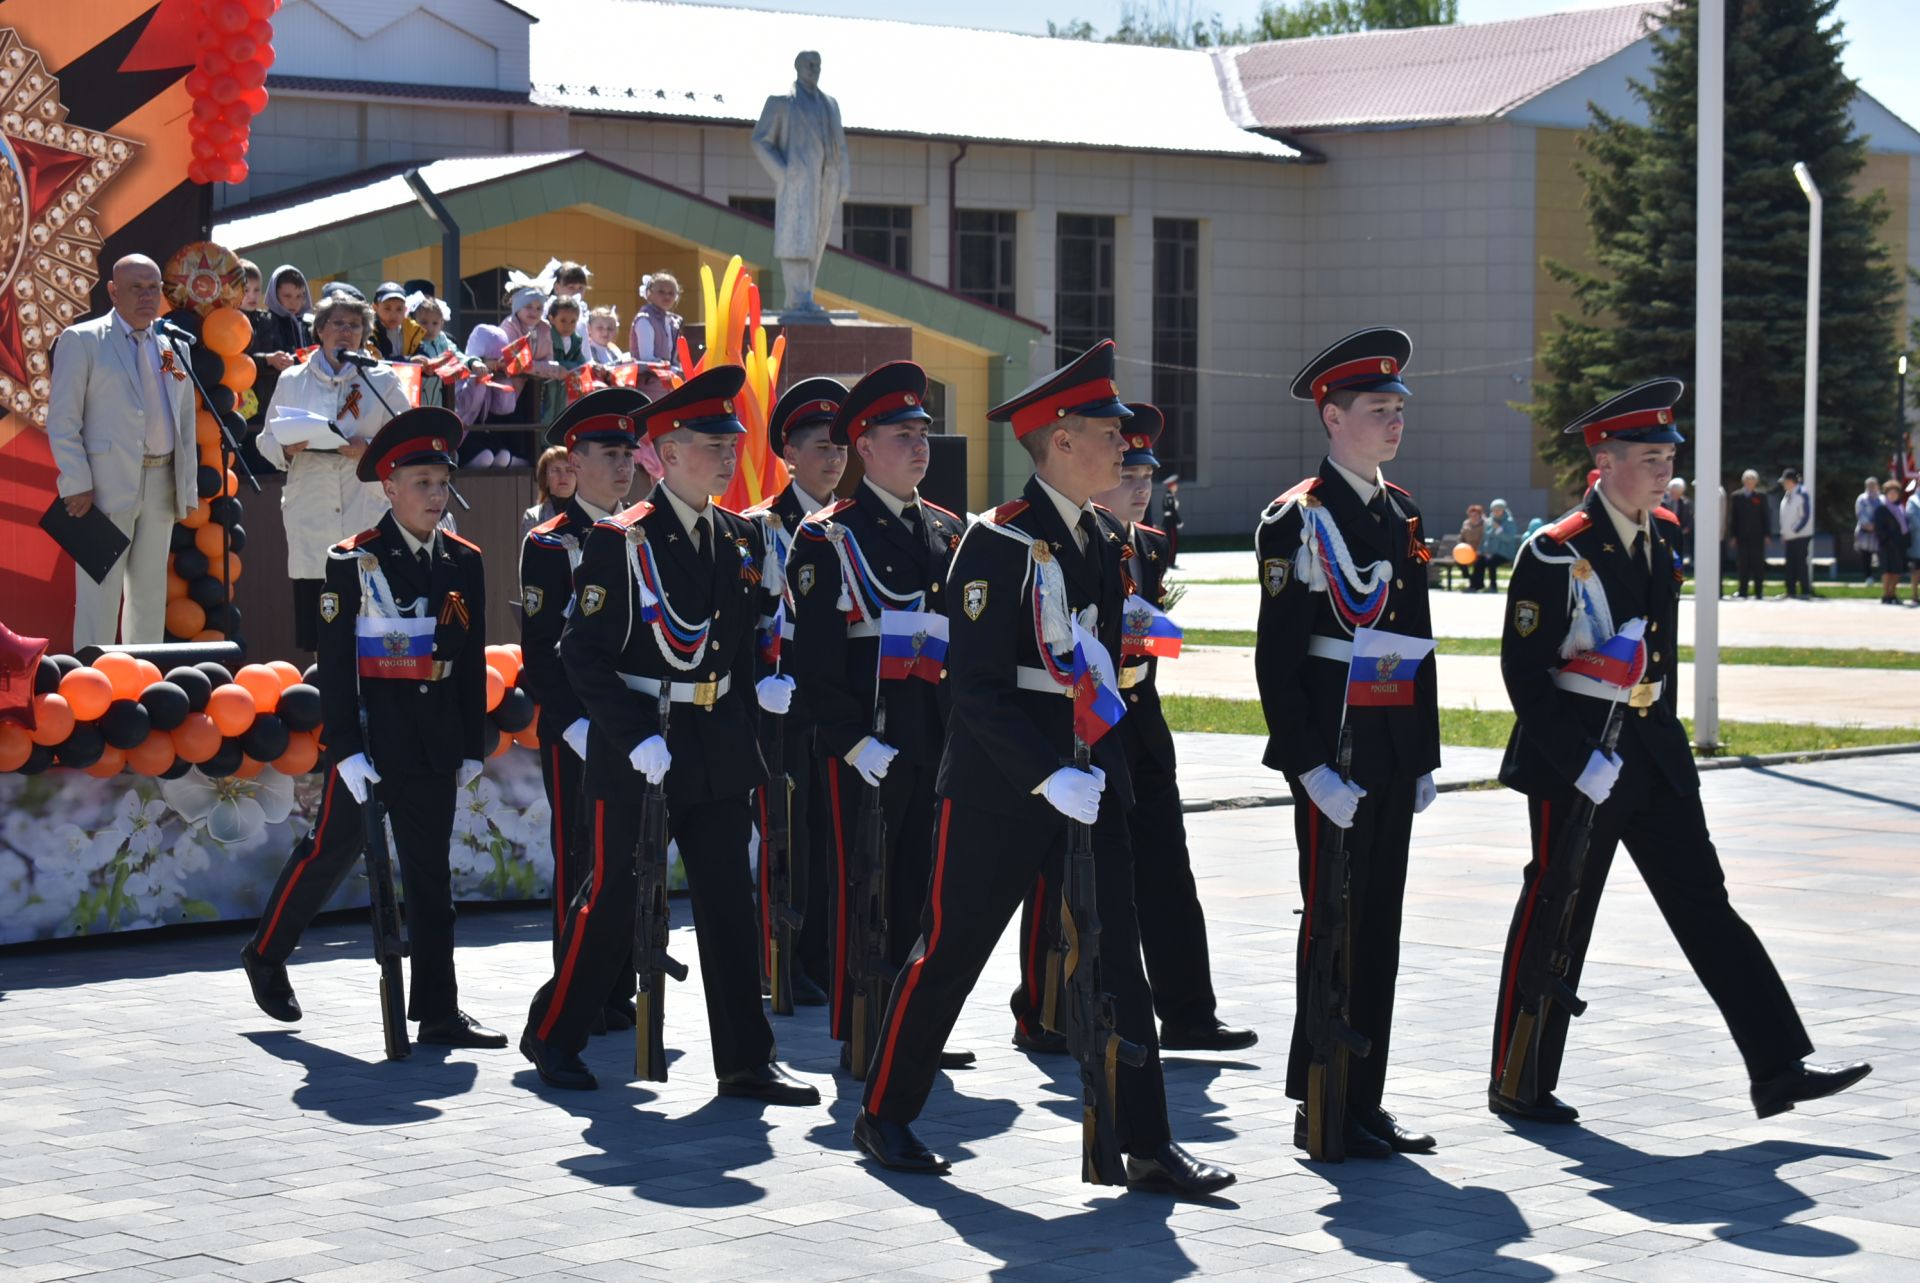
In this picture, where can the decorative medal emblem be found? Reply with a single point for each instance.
(369, 562)
(1041, 553)
(803, 580)
(1582, 569)
(592, 598)
(973, 597)
(533, 599)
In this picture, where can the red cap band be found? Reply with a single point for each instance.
(1052, 409)
(683, 415)
(1376, 367)
(601, 423)
(1600, 430)
(882, 407)
(415, 445)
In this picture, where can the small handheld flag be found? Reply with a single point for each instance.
(1097, 705)
(1621, 660)
(913, 643)
(1384, 668)
(408, 376)
(1145, 629)
(517, 356)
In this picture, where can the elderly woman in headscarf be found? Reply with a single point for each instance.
(1501, 542)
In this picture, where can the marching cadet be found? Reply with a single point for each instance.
(798, 431)
(877, 560)
(1339, 553)
(1024, 575)
(599, 434)
(1574, 586)
(416, 593)
(669, 592)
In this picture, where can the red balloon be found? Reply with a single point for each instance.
(199, 84)
(237, 172)
(239, 114)
(228, 16)
(241, 49)
(215, 63)
(205, 109)
(203, 149)
(219, 132)
(265, 56)
(256, 99)
(261, 30)
(251, 75)
(197, 172)
(225, 89)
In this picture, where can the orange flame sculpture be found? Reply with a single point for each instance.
(735, 336)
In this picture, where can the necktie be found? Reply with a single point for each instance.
(1378, 507)
(1089, 537)
(1640, 549)
(911, 515)
(424, 558)
(153, 392)
(703, 541)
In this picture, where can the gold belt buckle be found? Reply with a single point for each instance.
(1641, 696)
(705, 694)
(1132, 675)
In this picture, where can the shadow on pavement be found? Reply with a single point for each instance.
(677, 1162)
(1399, 1212)
(368, 1093)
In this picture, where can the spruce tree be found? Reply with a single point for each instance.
(1787, 101)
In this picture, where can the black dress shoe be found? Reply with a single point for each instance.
(1173, 1170)
(1388, 1129)
(1548, 1109)
(563, 1069)
(460, 1030)
(1357, 1140)
(1042, 1042)
(956, 1059)
(618, 1014)
(1784, 1090)
(272, 991)
(894, 1145)
(770, 1083)
(1211, 1036)
(806, 993)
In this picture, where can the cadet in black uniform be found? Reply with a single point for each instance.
(600, 434)
(418, 594)
(878, 556)
(670, 590)
(1006, 784)
(798, 432)
(1344, 550)
(1574, 585)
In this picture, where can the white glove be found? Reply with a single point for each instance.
(1337, 799)
(652, 759)
(1075, 793)
(871, 759)
(358, 775)
(774, 693)
(1598, 779)
(1424, 791)
(469, 770)
(576, 737)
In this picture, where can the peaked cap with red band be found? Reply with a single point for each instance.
(1365, 361)
(1084, 386)
(606, 414)
(430, 434)
(892, 393)
(1643, 415)
(1142, 431)
(806, 403)
(704, 403)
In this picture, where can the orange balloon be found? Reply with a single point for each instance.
(240, 372)
(88, 692)
(122, 670)
(196, 739)
(232, 708)
(185, 617)
(176, 589)
(1464, 554)
(496, 686)
(15, 746)
(301, 756)
(248, 768)
(506, 742)
(289, 673)
(208, 635)
(226, 331)
(200, 516)
(233, 567)
(206, 433)
(263, 684)
(209, 540)
(149, 674)
(111, 763)
(503, 662)
(152, 756)
(233, 484)
(52, 720)
(530, 737)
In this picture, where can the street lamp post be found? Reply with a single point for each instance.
(1810, 412)
(1709, 188)
(1900, 414)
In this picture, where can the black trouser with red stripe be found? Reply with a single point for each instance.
(812, 855)
(420, 815)
(983, 864)
(1376, 848)
(560, 773)
(906, 795)
(1665, 831)
(597, 942)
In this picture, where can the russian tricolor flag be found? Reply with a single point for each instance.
(1097, 705)
(1621, 660)
(913, 643)
(1384, 668)
(396, 648)
(1145, 629)
(772, 634)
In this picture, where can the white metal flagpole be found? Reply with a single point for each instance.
(1709, 210)
(1816, 207)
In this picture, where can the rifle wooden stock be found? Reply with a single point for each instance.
(870, 975)
(1328, 985)
(389, 936)
(651, 920)
(786, 897)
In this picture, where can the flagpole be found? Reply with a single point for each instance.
(1708, 197)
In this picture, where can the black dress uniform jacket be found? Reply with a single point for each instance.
(1145, 553)
(546, 588)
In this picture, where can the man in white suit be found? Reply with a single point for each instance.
(120, 421)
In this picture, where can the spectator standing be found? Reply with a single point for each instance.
(554, 479)
(1501, 543)
(526, 318)
(656, 330)
(1890, 533)
(1473, 532)
(1682, 509)
(1747, 523)
(1913, 539)
(282, 329)
(1864, 540)
(1796, 534)
(1171, 520)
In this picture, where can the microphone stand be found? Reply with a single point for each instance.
(343, 356)
(229, 448)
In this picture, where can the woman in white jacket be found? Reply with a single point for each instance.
(323, 502)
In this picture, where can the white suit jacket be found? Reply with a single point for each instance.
(97, 418)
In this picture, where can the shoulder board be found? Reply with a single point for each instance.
(625, 520)
(1666, 515)
(360, 540)
(1305, 487)
(550, 525)
(945, 512)
(1575, 522)
(1397, 489)
(1008, 511)
(1100, 507)
(463, 541)
(1152, 530)
(760, 509)
(831, 511)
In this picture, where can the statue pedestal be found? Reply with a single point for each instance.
(832, 348)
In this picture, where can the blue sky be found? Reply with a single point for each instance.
(1883, 33)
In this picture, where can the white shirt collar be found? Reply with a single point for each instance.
(808, 504)
(414, 545)
(1070, 514)
(1623, 525)
(895, 506)
(598, 514)
(1361, 486)
(688, 517)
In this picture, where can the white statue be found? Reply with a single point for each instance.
(801, 143)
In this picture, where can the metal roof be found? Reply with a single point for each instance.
(1423, 75)
(709, 62)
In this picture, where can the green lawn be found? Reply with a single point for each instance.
(1489, 728)
(1765, 656)
(1848, 591)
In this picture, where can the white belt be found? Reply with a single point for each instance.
(1645, 695)
(705, 694)
(1040, 680)
(1337, 649)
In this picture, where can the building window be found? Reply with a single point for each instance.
(881, 233)
(1176, 341)
(986, 256)
(755, 206)
(1083, 284)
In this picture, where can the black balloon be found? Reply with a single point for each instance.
(224, 618)
(266, 739)
(180, 767)
(210, 481)
(46, 677)
(299, 707)
(215, 672)
(68, 663)
(207, 591)
(208, 365)
(125, 724)
(220, 397)
(225, 762)
(226, 511)
(236, 538)
(489, 739)
(167, 702)
(515, 713)
(39, 758)
(312, 676)
(191, 564)
(181, 539)
(197, 686)
(82, 748)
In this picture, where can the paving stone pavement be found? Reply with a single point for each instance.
(154, 1125)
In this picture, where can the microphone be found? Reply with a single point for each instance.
(345, 356)
(172, 331)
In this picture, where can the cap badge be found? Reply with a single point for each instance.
(439, 444)
(1666, 416)
(727, 406)
(1113, 387)
(909, 399)
(1386, 366)
(626, 423)
(826, 407)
